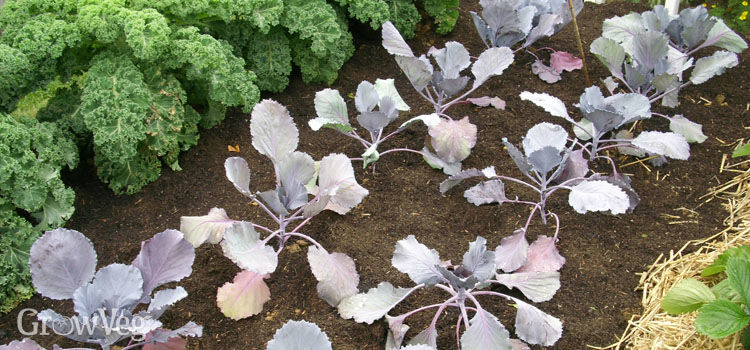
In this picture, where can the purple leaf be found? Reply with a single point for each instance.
(371, 306)
(336, 180)
(536, 327)
(273, 130)
(436, 163)
(428, 337)
(239, 174)
(451, 59)
(174, 343)
(25, 344)
(417, 261)
(393, 42)
(478, 260)
(456, 179)
(209, 227)
(512, 252)
(331, 110)
(551, 104)
(486, 192)
(299, 335)
(61, 261)
(575, 166)
(545, 27)
(295, 171)
(243, 246)
(693, 132)
(537, 286)
(417, 70)
(336, 274)
(396, 332)
(244, 296)
(545, 72)
(486, 101)
(561, 60)
(485, 332)
(517, 344)
(666, 144)
(453, 139)
(366, 98)
(115, 287)
(164, 258)
(163, 299)
(543, 256)
(544, 135)
(491, 62)
(598, 195)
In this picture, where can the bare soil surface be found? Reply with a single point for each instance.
(603, 252)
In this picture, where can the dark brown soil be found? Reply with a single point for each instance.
(603, 252)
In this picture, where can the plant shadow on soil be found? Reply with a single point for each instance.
(603, 252)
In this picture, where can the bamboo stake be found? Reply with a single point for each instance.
(580, 44)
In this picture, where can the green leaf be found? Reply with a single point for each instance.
(724, 290)
(742, 151)
(738, 274)
(686, 296)
(720, 318)
(270, 57)
(720, 263)
(708, 67)
(445, 13)
(405, 16)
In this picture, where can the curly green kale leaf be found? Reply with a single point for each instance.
(32, 154)
(136, 120)
(323, 68)
(374, 11)
(270, 57)
(16, 237)
(445, 13)
(405, 16)
(316, 21)
(211, 62)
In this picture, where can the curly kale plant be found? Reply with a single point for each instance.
(532, 270)
(505, 23)
(63, 266)
(451, 140)
(290, 205)
(649, 52)
(32, 155)
(135, 64)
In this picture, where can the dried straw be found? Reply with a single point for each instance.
(655, 329)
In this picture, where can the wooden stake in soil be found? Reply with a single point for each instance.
(580, 44)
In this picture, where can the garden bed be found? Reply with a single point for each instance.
(603, 252)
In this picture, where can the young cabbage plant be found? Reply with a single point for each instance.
(550, 163)
(602, 117)
(63, 266)
(505, 23)
(378, 105)
(451, 140)
(649, 52)
(537, 278)
(303, 189)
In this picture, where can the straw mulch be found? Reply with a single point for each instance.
(655, 329)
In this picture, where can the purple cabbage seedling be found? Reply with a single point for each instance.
(505, 23)
(603, 116)
(378, 105)
(649, 52)
(532, 270)
(63, 266)
(451, 140)
(303, 189)
(303, 335)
